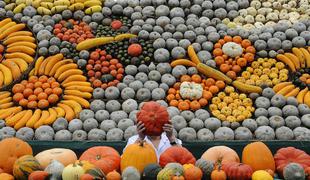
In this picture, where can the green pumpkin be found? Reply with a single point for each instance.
(294, 171)
(150, 172)
(131, 173)
(176, 167)
(165, 174)
(24, 166)
(206, 167)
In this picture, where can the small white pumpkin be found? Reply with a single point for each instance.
(191, 90)
(73, 172)
(232, 49)
(55, 169)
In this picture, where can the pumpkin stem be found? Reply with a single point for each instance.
(141, 143)
(219, 163)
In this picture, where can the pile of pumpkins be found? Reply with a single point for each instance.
(139, 161)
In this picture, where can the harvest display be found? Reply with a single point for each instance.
(77, 70)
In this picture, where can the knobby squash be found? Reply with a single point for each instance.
(176, 154)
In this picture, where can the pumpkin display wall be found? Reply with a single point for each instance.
(153, 116)
(103, 157)
(258, 156)
(176, 154)
(287, 155)
(64, 156)
(11, 149)
(221, 153)
(138, 155)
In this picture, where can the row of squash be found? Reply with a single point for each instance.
(139, 161)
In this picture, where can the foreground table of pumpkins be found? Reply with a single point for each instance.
(84, 70)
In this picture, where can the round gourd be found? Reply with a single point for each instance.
(105, 158)
(263, 158)
(206, 166)
(64, 156)
(138, 155)
(131, 173)
(193, 173)
(73, 172)
(6, 176)
(85, 165)
(261, 175)
(237, 170)
(176, 154)
(176, 167)
(294, 171)
(165, 174)
(223, 153)
(24, 166)
(38, 175)
(114, 175)
(150, 172)
(153, 116)
(11, 149)
(96, 173)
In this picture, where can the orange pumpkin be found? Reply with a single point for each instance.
(11, 149)
(221, 153)
(218, 174)
(258, 156)
(193, 173)
(114, 175)
(87, 177)
(176, 154)
(178, 178)
(307, 171)
(6, 176)
(103, 157)
(38, 175)
(269, 171)
(64, 156)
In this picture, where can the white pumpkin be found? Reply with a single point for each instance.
(232, 49)
(72, 172)
(191, 90)
(55, 169)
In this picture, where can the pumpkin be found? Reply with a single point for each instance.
(191, 90)
(187, 166)
(103, 157)
(87, 177)
(6, 176)
(85, 164)
(153, 116)
(131, 173)
(222, 153)
(150, 172)
(294, 171)
(11, 149)
(24, 166)
(263, 158)
(177, 177)
(218, 173)
(73, 172)
(64, 156)
(55, 169)
(232, 49)
(261, 175)
(176, 154)
(237, 171)
(284, 156)
(38, 175)
(134, 50)
(138, 155)
(113, 175)
(206, 167)
(307, 171)
(165, 174)
(95, 172)
(193, 173)
(176, 168)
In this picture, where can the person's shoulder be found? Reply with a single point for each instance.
(133, 138)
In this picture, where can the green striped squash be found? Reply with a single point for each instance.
(24, 166)
(165, 174)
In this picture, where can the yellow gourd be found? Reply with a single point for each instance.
(261, 175)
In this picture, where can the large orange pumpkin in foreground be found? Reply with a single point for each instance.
(221, 153)
(258, 156)
(10, 150)
(138, 155)
(103, 157)
(176, 154)
(64, 156)
(153, 116)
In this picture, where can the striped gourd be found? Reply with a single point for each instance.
(165, 174)
(24, 166)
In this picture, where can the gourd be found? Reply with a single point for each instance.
(294, 171)
(6, 176)
(138, 155)
(176, 154)
(38, 175)
(11, 149)
(55, 169)
(176, 168)
(113, 175)
(218, 173)
(85, 165)
(232, 49)
(261, 175)
(165, 174)
(223, 153)
(263, 158)
(237, 170)
(64, 156)
(95, 172)
(153, 116)
(191, 90)
(150, 172)
(193, 173)
(24, 166)
(287, 155)
(130, 173)
(206, 166)
(103, 157)
(73, 172)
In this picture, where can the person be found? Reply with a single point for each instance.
(159, 143)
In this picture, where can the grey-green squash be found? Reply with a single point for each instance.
(294, 171)
(151, 171)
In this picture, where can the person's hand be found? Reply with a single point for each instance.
(141, 129)
(168, 128)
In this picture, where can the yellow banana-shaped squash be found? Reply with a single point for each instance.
(78, 83)
(301, 95)
(294, 59)
(21, 43)
(86, 95)
(93, 9)
(44, 115)
(50, 64)
(69, 111)
(12, 29)
(23, 121)
(23, 56)
(58, 65)
(293, 93)
(307, 56)
(8, 76)
(16, 72)
(22, 64)
(19, 8)
(75, 78)
(23, 49)
(6, 105)
(34, 118)
(286, 89)
(286, 61)
(7, 26)
(58, 9)
(60, 112)
(300, 56)
(77, 108)
(14, 39)
(65, 68)
(121, 37)
(91, 43)
(81, 88)
(9, 111)
(38, 65)
(211, 72)
(307, 99)
(1, 79)
(15, 118)
(62, 3)
(20, 33)
(4, 94)
(91, 3)
(68, 73)
(44, 11)
(52, 117)
(6, 100)
(84, 103)
(5, 21)
(76, 6)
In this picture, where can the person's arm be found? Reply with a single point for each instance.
(140, 130)
(168, 128)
